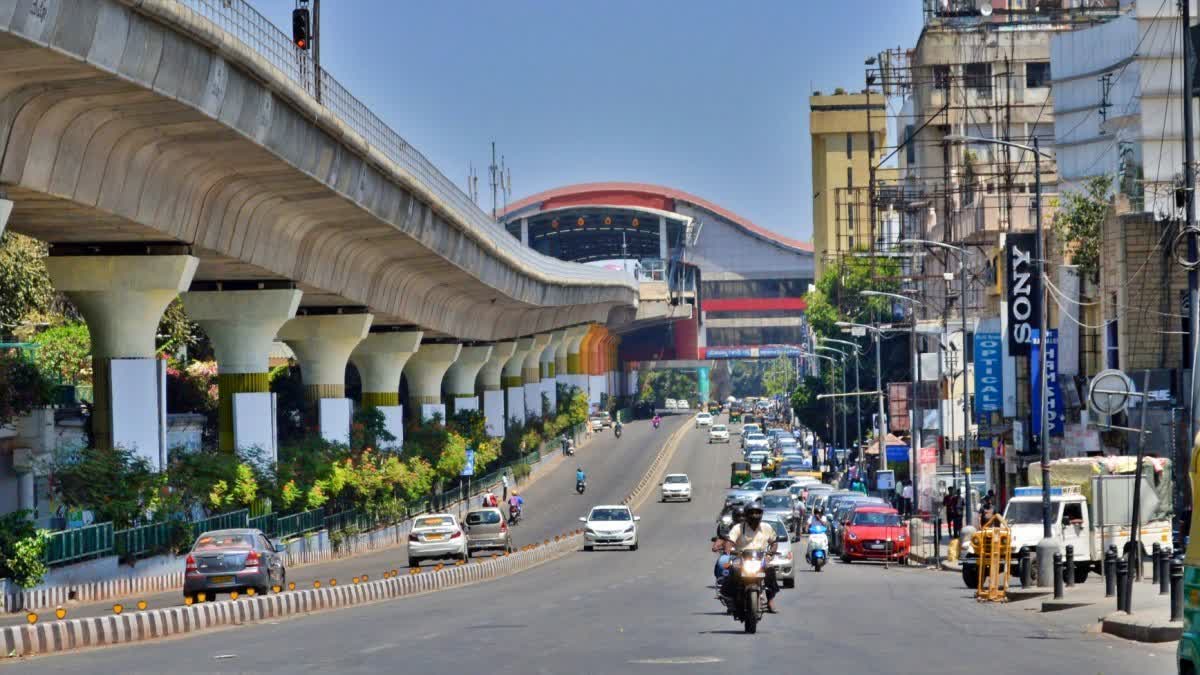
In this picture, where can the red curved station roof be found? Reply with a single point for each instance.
(643, 195)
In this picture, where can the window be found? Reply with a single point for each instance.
(978, 76)
(1072, 511)
(910, 149)
(941, 78)
(849, 176)
(1037, 74)
(1112, 345)
(849, 145)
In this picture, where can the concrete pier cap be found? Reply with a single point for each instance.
(380, 359)
(531, 371)
(460, 377)
(242, 324)
(489, 378)
(513, 376)
(426, 368)
(323, 344)
(549, 361)
(6, 207)
(569, 345)
(122, 302)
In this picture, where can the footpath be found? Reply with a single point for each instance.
(1084, 607)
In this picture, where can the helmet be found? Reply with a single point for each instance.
(739, 514)
(754, 509)
(579, 468)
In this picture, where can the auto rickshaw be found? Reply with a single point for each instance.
(739, 473)
(735, 416)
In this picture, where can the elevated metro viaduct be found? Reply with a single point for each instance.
(745, 283)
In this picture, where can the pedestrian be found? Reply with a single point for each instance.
(947, 509)
(906, 498)
(956, 513)
(987, 507)
(504, 483)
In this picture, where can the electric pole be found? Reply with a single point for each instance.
(1189, 219)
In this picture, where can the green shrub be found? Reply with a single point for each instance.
(26, 562)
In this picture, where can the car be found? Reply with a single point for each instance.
(748, 429)
(754, 442)
(436, 536)
(681, 404)
(596, 422)
(758, 461)
(676, 486)
(838, 512)
(610, 525)
(875, 532)
(487, 530)
(718, 433)
(224, 561)
(704, 420)
(783, 560)
(787, 445)
(669, 404)
(607, 418)
(748, 492)
(780, 504)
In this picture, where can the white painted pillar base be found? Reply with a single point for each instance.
(25, 491)
(322, 344)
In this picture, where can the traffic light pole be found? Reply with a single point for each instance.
(316, 38)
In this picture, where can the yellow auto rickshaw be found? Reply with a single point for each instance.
(739, 473)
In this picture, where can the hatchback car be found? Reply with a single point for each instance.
(436, 536)
(718, 433)
(610, 525)
(596, 422)
(704, 420)
(487, 530)
(223, 561)
(780, 504)
(676, 486)
(875, 533)
(748, 492)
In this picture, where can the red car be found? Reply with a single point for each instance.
(875, 533)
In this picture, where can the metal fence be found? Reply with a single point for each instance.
(298, 523)
(224, 521)
(138, 542)
(256, 32)
(79, 544)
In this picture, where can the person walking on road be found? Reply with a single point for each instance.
(987, 507)
(954, 513)
(504, 483)
(906, 499)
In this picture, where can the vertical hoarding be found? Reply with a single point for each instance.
(989, 377)
(1023, 292)
(1054, 396)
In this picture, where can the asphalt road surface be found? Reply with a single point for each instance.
(649, 611)
(613, 466)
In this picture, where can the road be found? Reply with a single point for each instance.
(552, 507)
(650, 611)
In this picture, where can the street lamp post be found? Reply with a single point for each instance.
(857, 405)
(1047, 546)
(832, 407)
(879, 436)
(914, 433)
(843, 356)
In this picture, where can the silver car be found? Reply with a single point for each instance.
(783, 560)
(748, 492)
(436, 535)
(223, 561)
(781, 505)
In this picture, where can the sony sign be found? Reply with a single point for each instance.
(1024, 291)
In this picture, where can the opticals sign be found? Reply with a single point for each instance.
(1024, 291)
(989, 380)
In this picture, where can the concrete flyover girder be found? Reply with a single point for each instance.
(154, 124)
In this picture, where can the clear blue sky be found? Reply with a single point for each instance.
(708, 96)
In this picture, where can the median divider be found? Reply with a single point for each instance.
(125, 627)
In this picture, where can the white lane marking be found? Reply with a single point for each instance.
(679, 660)
(378, 648)
(218, 657)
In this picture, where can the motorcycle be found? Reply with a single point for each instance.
(570, 449)
(617, 432)
(744, 592)
(657, 423)
(580, 486)
(817, 553)
(514, 514)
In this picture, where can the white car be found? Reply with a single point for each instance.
(596, 422)
(754, 442)
(758, 460)
(681, 404)
(703, 420)
(610, 525)
(718, 433)
(438, 535)
(669, 404)
(676, 486)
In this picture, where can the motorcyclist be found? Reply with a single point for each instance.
(489, 499)
(516, 501)
(580, 476)
(752, 535)
(736, 515)
(657, 420)
(817, 517)
(617, 427)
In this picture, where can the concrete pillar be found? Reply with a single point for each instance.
(531, 375)
(380, 359)
(323, 344)
(548, 367)
(460, 378)
(576, 357)
(490, 383)
(514, 381)
(662, 237)
(122, 298)
(25, 492)
(6, 207)
(241, 325)
(563, 372)
(524, 231)
(425, 371)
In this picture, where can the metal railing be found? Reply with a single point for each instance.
(224, 521)
(138, 542)
(252, 29)
(79, 544)
(299, 523)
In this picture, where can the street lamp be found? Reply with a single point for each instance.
(832, 408)
(914, 434)
(1047, 546)
(843, 355)
(878, 386)
(857, 387)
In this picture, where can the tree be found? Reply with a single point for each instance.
(780, 375)
(25, 286)
(659, 385)
(64, 353)
(838, 293)
(23, 387)
(114, 483)
(811, 412)
(1079, 223)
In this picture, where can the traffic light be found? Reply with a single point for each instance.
(301, 28)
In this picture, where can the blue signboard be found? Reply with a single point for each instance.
(1054, 409)
(469, 468)
(897, 453)
(989, 378)
(764, 352)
